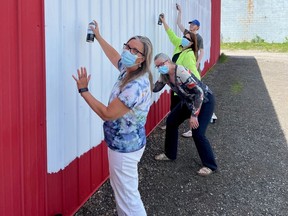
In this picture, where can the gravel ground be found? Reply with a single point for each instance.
(249, 140)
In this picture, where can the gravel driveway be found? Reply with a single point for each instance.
(249, 140)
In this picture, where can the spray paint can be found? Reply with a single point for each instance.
(90, 33)
(159, 20)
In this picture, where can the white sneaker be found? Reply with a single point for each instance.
(162, 157)
(187, 134)
(213, 118)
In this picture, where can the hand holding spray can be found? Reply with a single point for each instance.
(159, 20)
(177, 7)
(90, 33)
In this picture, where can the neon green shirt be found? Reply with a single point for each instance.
(187, 57)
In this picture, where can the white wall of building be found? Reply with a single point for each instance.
(72, 128)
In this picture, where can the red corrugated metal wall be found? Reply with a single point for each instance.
(215, 31)
(69, 188)
(215, 35)
(22, 109)
(25, 186)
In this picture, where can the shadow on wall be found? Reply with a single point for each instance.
(251, 153)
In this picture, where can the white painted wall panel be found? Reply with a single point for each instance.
(72, 128)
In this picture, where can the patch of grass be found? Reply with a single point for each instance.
(257, 39)
(262, 46)
(223, 58)
(236, 87)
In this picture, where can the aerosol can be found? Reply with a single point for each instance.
(90, 33)
(159, 20)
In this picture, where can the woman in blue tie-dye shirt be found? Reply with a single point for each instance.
(125, 117)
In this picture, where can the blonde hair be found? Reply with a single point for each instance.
(145, 66)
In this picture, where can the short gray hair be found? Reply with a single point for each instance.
(162, 56)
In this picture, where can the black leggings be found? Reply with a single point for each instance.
(174, 100)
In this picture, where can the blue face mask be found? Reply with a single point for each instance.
(128, 59)
(163, 69)
(185, 42)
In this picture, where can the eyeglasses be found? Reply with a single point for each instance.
(161, 64)
(134, 51)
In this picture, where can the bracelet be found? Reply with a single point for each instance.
(81, 90)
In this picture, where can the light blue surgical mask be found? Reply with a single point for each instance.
(128, 59)
(185, 42)
(164, 69)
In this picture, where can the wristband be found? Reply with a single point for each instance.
(81, 90)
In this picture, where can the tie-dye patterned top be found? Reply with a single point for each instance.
(127, 134)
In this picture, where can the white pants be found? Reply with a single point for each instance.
(123, 168)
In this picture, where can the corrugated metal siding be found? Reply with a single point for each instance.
(215, 35)
(77, 163)
(73, 129)
(22, 109)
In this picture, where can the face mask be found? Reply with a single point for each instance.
(163, 69)
(128, 59)
(185, 42)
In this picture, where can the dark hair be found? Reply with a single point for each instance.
(194, 46)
